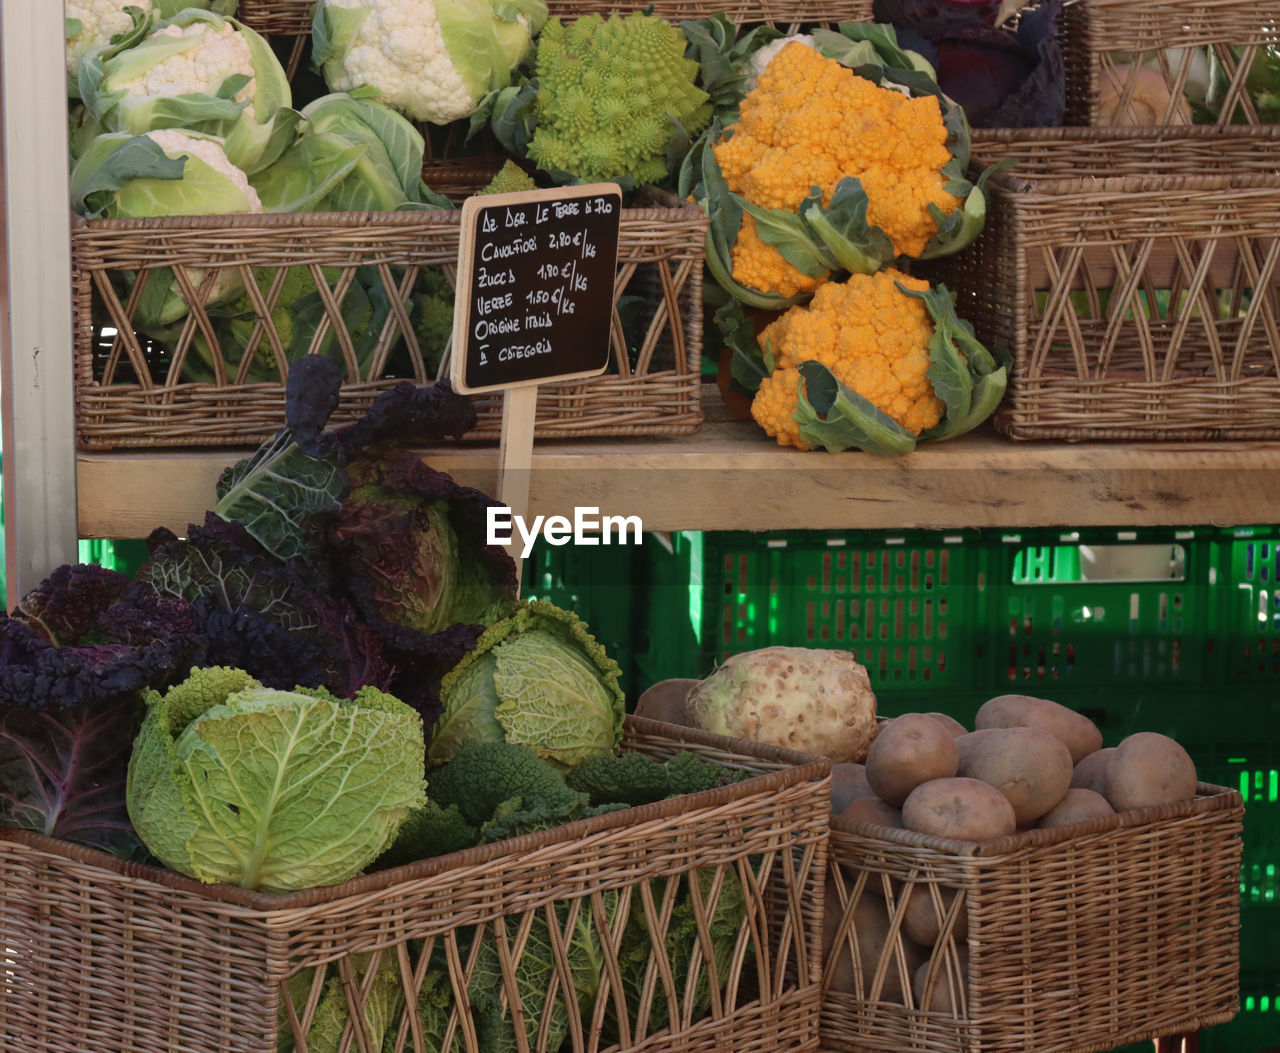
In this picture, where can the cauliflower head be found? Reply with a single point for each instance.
(811, 122)
(91, 23)
(433, 60)
(871, 335)
(207, 55)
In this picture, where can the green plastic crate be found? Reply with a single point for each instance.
(1057, 630)
(1257, 1026)
(909, 606)
(1249, 581)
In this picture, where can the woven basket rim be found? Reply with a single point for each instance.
(650, 203)
(799, 767)
(1209, 798)
(1064, 142)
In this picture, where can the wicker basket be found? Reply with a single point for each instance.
(1079, 939)
(1134, 281)
(112, 957)
(135, 392)
(293, 17)
(1118, 38)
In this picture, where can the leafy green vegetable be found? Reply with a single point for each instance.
(535, 972)
(691, 958)
(537, 678)
(636, 778)
(272, 790)
(277, 494)
(354, 155)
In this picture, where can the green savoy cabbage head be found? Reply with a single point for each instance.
(537, 678)
(272, 790)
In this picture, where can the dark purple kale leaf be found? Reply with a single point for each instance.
(276, 621)
(75, 655)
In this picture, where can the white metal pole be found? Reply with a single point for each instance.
(36, 397)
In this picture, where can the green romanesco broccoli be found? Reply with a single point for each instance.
(635, 778)
(611, 96)
(509, 179)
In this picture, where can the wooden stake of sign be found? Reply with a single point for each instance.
(533, 304)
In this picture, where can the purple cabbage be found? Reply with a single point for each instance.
(75, 655)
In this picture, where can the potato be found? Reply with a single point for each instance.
(950, 723)
(848, 783)
(1078, 805)
(921, 920)
(1030, 765)
(963, 809)
(665, 700)
(1149, 768)
(909, 750)
(871, 934)
(1078, 732)
(940, 1000)
(872, 810)
(1091, 773)
(800, 698)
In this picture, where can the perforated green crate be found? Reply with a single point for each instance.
(1249, 579)
(910, 607)
(1105, 607)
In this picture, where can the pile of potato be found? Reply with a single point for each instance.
(1030, 763)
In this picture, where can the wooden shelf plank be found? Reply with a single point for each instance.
(730, 476)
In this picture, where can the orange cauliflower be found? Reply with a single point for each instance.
(874, 338)
(810, 122)
(759, 265)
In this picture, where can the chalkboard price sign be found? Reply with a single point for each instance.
(534, 293)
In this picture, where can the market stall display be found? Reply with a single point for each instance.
(316, 777)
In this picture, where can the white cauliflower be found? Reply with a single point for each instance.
(221, 52)
(427, 67)
(99, 21)
(175, 144)
(400, 50)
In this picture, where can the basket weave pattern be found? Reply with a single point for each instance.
(293, 17)
(116, 957)
(1080, 939)
(130, 392)
(1120, 37)
(1134, 281)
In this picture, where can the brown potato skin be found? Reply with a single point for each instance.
(873, 810)
(848, 783)
(1029, 764)
(1091, 773)
(1149, 768)
(909, 750)
(940, 1001)
(665, 700)
(922, 922)
(1080, 734)
(950, 723)
(1077, 806)
(959, 808)
(871, 929)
